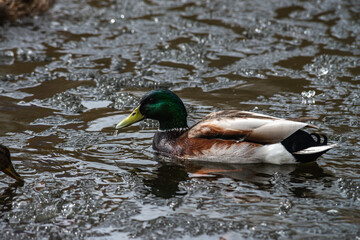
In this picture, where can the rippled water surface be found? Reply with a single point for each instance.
(67, 77)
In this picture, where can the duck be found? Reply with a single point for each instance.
(6, 165)
(11, 10)
(228, 136)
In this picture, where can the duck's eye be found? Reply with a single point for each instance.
(151, 100)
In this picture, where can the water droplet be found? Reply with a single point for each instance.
(285, 206)
(9, 53)
(311, 93)
(308, 97)
(333, 211)
(308, 94)
(323, 71)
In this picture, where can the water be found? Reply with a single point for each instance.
(69, 76)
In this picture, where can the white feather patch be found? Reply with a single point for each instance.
(275, 154)
(317, 149)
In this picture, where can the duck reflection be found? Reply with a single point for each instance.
(166, 182)
(171, 172)
(8, 195)
(305, 172)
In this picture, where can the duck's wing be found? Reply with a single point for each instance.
(245, 126)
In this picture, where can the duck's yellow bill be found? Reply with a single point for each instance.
(12, 173)
(134, 117)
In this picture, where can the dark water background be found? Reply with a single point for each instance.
(66, 79)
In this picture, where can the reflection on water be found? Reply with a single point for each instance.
(264, 176)
(67, 77)
(166, 182)
(8, 195)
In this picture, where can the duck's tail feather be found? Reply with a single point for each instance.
(307, 147)
(313, 150)
(311, 153)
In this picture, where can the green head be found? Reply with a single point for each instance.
(162, 105)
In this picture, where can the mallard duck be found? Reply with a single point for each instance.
(229, 136)
(6, 165)
(14, 9)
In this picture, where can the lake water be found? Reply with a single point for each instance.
(69, 76)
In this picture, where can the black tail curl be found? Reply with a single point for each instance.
(318, 139)
(301, 140)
